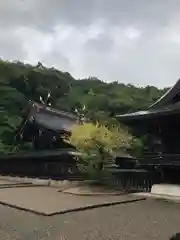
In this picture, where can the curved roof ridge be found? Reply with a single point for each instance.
(54, 110)
(167, 98)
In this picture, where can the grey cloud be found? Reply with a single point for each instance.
(109, 55)
(45, 14)
(10, 45)
(100, 44)
(56, 59)
(142, 63)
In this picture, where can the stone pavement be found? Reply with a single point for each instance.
(48, 201)
(143, 220)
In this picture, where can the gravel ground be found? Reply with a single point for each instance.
(31, 198)
(143, 220)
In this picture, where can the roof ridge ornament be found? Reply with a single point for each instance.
(45, 102)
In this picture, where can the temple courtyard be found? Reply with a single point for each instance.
(42, 212)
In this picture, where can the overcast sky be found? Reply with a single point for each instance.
(132, 41)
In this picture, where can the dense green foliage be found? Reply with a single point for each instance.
(22, 82)
(97, 143)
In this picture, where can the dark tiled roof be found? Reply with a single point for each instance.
(53, 111)
(51, 118)
(169, 97)
(148, 114)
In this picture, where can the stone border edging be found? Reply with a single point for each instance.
(72, 209)
(41, 182)
(91, 194)
(169, 198)
(20, 186)
(15, 184)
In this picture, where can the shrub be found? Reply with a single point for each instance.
(96, 143)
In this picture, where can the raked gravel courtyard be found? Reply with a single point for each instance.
(145, 220)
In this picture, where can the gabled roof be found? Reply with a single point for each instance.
(168, 104)
(49, 118)
(50, 110)
(52, 119)
(170, 97)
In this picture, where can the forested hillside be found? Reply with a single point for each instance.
(20, 83)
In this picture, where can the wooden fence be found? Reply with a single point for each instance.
(133, 180)
(62, 166)
(55, 165)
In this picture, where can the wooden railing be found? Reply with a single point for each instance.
(160, 159)
(64, 168)
(133, 180)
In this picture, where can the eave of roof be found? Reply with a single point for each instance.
(54, 153)
(40, 154)
(149, 114)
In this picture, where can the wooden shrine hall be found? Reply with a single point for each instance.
(51, 156)
(161, 121)
(46, 127)
(159, 127)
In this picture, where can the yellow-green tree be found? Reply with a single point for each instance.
(96, 143)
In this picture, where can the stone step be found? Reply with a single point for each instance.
(167, 192)
(166, 189)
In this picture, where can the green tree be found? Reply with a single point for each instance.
(96, 143)
(21, 82)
